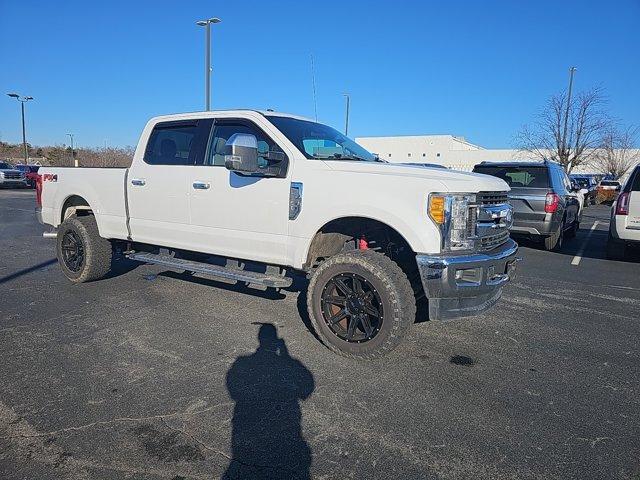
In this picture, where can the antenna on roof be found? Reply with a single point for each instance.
(313, 85)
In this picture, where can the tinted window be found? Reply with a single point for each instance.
(271, 158)
(635, 186)
(177, 143)
(525, 176)
(5, 166)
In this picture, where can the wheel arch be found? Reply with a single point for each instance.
(344, 233)
(74, 205)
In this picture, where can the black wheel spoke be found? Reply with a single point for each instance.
(336, 300)
(337, 317)
(366, 325)
(339, 282)
(370, 309)
(357, 285)
(353, 324)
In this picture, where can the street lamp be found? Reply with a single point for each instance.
(346, 120)
(75, 160)
(207, 59)
(22, 101)
(572, 70)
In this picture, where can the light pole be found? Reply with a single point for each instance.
(207, 59)
(346, 119)
(566, 114)
(73, 157)
(22, 101)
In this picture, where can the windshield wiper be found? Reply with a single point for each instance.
(340, 156)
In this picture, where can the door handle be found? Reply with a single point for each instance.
(201, 185)
(138, 182)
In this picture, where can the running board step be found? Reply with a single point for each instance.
(256, 278)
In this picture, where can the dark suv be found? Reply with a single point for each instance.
(545, 206)
(588, 187)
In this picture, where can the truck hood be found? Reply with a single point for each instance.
(452, 180)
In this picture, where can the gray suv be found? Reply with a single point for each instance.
(545, 206)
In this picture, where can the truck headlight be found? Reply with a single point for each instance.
(454, 214)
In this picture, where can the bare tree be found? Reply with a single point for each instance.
(587, 120)
(617, 153)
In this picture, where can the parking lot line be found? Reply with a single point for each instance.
(578, 257)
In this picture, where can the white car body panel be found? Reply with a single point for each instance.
(247, 217)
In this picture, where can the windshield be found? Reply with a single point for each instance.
(320, 141)
(5, 166)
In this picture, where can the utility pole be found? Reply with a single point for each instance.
(22, 101)
(207, 59)
(73, 157)
(566, 114)
(346, 119)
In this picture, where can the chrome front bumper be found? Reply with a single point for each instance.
(465, 285)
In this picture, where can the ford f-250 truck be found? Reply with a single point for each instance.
(258, 196)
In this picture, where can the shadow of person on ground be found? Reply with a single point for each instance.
(267, 386)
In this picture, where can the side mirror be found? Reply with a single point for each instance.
(243, 155)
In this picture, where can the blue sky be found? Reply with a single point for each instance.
(477, 69)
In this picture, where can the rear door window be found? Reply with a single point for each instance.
(178, 143)
(525, 176)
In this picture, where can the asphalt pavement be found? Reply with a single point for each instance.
(150, 374)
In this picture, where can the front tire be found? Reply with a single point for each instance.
(361, 304)
(82, 253)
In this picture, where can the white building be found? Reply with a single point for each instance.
(448, 150)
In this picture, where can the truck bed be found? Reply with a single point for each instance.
(102, 188)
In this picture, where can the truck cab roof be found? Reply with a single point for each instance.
(242, 112)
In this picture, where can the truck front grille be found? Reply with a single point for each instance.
(492, 198)
(12, 175)
(492, 220)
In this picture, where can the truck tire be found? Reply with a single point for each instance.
(82, 253)
(361, 304)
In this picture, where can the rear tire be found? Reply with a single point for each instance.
(82, 253)
(335, 304)
(573, 230)
(555, 241)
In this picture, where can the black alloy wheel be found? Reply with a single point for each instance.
(72, 251)
(352, 308)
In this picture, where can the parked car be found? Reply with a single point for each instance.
(11, 177)
(31, 172)
(578, 192)
(285, 194)
(588, 187)
(607, 190)
(544, 205)
(624, 227)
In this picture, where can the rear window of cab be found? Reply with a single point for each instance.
(525, 176)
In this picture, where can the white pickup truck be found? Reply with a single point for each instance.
(266, 195)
